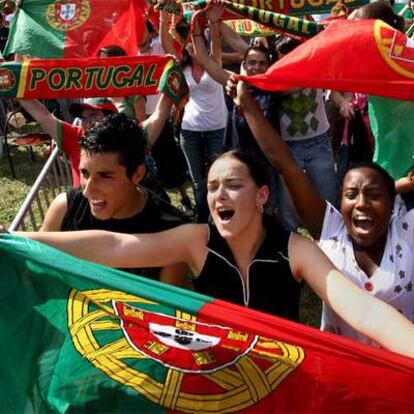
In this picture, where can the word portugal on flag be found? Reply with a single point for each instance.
(79, 337)
(75, 28)
(365, 56)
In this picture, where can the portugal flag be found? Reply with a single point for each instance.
(78, 337)
(75, 28)
(365, 56)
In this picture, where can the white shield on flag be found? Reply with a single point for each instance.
(67, 11)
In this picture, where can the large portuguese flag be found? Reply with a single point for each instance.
(75, 28)
(79, 337)
(366, 56)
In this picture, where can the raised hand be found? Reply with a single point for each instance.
(215, 11)
(238, 90)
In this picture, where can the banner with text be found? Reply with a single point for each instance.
(76, 78)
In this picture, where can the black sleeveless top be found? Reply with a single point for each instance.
(270, 285)
(79, 217)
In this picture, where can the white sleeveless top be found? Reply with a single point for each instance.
(206, 109)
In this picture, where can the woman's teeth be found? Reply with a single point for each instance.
(364, 223)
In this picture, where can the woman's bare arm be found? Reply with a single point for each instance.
(214, 14)
(212, 67)
(367, 314)
(166, 39)
(233, 39)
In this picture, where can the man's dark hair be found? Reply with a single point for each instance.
(117, 133)
(112, 50)
(381, 10)
(258, 48)
(287, 44)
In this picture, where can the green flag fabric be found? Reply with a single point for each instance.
(81, 338)
(75, 28)
(392, 124)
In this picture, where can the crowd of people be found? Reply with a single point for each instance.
(274, 170)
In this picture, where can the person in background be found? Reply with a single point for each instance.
(170, 165)
(256, 60)
(205, 115)
(305, 128)
(67, 136)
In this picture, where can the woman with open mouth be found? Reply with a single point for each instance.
(368, 242)
(245, 257)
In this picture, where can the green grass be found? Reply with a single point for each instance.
(14, 191)
(310, 307)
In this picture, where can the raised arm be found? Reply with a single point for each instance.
(229, 36)
(129, 250)
(166, 39)
(155, 123)
(212, 66)
(233, 40)
(309, 204)
(367, 314)
(214, 14)
(47, 121)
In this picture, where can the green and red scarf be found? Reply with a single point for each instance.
(75, 78)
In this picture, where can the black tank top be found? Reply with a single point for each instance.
(79, 217)
(271, 286)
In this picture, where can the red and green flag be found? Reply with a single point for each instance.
(75, 28)
(365, 56)
(392, 124)
(79, 337)
(112, 76)
(290, 7)
(278, 22)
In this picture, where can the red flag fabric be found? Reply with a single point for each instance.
(120, 23)
(86, 338)
(76, 28)
(366, 56)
